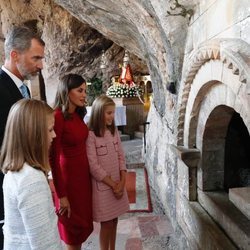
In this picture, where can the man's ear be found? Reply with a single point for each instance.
(14, 55)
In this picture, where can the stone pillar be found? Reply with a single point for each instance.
(187, 171)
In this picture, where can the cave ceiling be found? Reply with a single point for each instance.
(77, 31)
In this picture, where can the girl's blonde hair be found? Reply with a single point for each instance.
(26, 136)
(96, 121)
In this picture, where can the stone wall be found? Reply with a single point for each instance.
(215, 82)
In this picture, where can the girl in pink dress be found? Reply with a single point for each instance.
(108, 170)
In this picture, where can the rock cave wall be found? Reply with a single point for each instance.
(71, 45)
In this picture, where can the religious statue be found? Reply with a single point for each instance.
(126, 76)
(124, 87)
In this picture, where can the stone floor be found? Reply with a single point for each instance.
(133, 152)
(139, 231)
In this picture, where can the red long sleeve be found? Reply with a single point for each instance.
(55, 156)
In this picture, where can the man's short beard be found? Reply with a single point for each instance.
(26, 75)
(30, 76)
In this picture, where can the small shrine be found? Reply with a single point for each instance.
(124, 86)
(125, 91)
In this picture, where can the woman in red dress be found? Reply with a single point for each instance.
(69, 163)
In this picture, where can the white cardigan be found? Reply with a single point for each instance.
(30, 219)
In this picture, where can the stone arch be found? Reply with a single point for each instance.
(231, 55)
(209, 90)
(215, 89)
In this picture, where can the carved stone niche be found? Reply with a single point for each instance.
(187, 171)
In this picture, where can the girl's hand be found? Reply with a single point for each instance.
(108, 181)
(119, 189)
(120, 186)
(118, 195)
(64, 206)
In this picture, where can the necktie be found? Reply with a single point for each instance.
(24, 91)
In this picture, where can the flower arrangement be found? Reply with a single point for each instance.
(124, 90)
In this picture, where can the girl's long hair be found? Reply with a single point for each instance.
(26, 136)
(96, 121)
(68, 82)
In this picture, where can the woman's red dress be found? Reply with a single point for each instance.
(71, 177)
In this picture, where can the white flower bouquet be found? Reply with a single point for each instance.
(123, 90)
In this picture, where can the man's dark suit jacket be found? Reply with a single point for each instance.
(9, 94)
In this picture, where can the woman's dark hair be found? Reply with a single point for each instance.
(68, 82)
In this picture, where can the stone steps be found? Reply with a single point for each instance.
(233, 221)
(124, 137)
(240, 197)
(201, 230)
(139, 133)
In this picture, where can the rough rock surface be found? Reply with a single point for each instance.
(71, 45)
(145, 28)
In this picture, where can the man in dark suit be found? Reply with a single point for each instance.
(24, 52)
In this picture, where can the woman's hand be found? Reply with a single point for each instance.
(64, 206)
